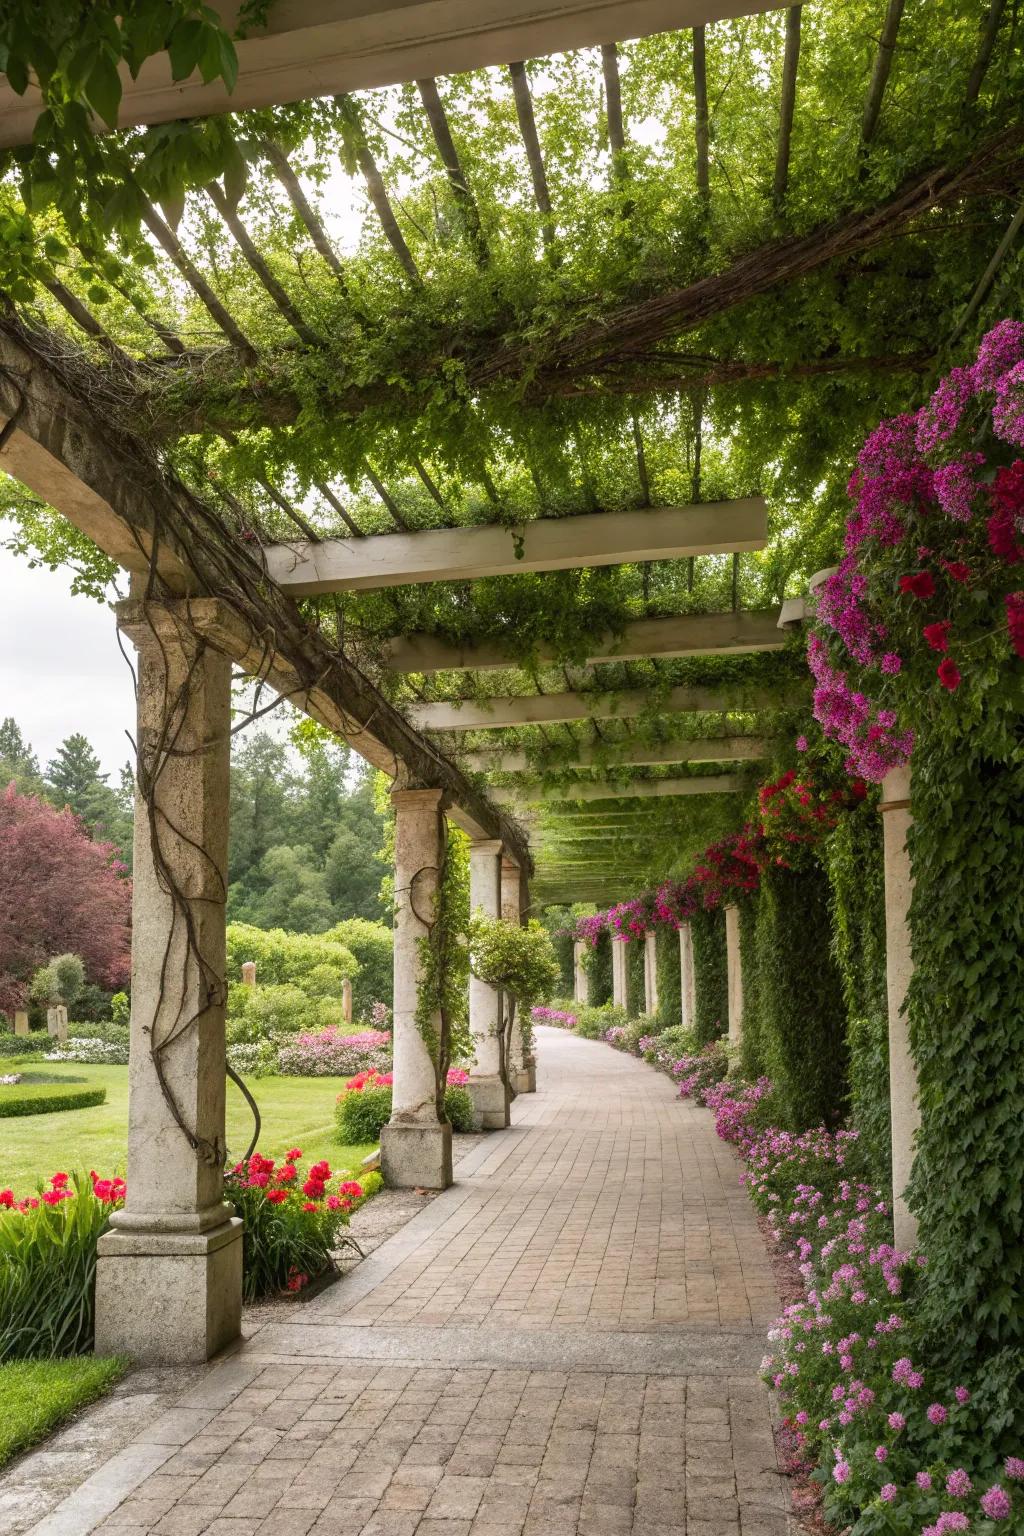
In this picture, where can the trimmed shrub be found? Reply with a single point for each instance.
(373, 946)
(458, 1106)
(262, 1013)
(594, 1023)
(45, 1098)
(801, 1016)
(670, 980)
(364, 1110)
(286, 958)
(710, 973)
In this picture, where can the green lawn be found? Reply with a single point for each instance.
(37, 1395)
(296, 1111)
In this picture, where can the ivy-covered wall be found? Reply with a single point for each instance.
(599, 969)
(635, 996)
(711, 980)
(670, 988)
(966, 1007)
(800, 1014)
(752, 1056)
(853, 860)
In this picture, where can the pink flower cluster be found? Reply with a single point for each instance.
(330, 1053)
(555, 1016)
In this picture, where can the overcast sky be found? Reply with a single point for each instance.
(60, 667)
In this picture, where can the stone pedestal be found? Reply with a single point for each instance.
(650, 973)
(580, 978)
(486, 1086)
(618, 973)
(169, 1275)
(415, 1147)
(57, 1022)
(906, 1117)
(346, 1000)
(21, 1022)
(734, 962)
(248, 973)
(687, 978)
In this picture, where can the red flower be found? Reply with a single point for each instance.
(313, 1188)
(7, 1199)
(59, 1180)
(949, 674)
(293, 1154)
(1014, 623)
(922, 584)
(310, 1205)
(957, 570)
(286, 1173)
(937, 635)
(321, 1170)
(276, 1196)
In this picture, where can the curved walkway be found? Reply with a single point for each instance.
(565, 1342)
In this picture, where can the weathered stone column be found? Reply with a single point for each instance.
(618, 973)
(248, 973)
(346, 1000)
(486, 1086)
(169, 1275)
(899, 884)
(687, 978)
(21, 1021)
(415, 1146)
(580, 978)
(650, 973)
(734, 962)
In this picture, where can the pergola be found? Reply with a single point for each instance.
(561, 604)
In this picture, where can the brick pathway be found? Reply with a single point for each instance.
(565, 1344)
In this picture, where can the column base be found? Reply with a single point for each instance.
(526, 1077)
(169, 1298)
(416, 1156)
(490, 1103)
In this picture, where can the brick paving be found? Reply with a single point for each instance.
(565, 1344)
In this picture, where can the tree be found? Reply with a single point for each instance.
(293, 896)
(18, 763)
(60, 893)
(61, 981)
(73, 778)
(520, 963)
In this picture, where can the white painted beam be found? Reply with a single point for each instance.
(642, 789)
(708, 749)
(688, 634)
(304, 569)
(318, 47)
(561, 708)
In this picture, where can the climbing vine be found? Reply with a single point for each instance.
(442, 1008)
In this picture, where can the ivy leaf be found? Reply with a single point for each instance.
(236, 173)
(172, 204)
(103, 89)
(228, 60)
(185, 48)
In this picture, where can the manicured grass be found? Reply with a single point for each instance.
(296, 1111)
(37, 1395)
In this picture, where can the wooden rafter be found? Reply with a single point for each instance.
(83, 316)
(531, 143)
(640, 789)
(286, 175)
(613, 109)
(880, 70)
(457, 180)
(787, 105)
(702, 125)
(252, 255)
(172, 247)
(386, 497)
(493, 549)
(555, 708)
(370, 173)
(702, 749)
(710, 634)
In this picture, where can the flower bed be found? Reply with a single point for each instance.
(894, 1446)
(329, 1053)
(559, 1018)
(364, 1109)
(109, 1053)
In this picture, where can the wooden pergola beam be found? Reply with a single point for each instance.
(705, 749)
(690, 634)
(880, 70)
(642, 789)
(306, 569)
(563, 708)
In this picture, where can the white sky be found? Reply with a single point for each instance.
(60, 667)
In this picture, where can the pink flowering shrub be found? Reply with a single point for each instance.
(330, 1053)
(558, 1017)
(899, 1449)
(697, 1074)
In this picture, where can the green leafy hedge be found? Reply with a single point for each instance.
(852, 856)
(670, 984)
(799, 1000)
(752, 1052)
(599, 972)
(49, 1097)
(966, 1009)
(288, 957)
(372, 944)
(711, 979)
(636, 1000)
(362, 1115)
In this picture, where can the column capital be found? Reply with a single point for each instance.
(416, 797)
(491, 846)
(180, 619)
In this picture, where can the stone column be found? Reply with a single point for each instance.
(21, 1022)
(415, 1145)
(687, 978)
(650, 973)
(346, 1000)
(486, 1086)
(248, 973)
(734, 962)
(522, 1069)
(169, 1274)
(580, 978)
(899, 884)
(618, 973)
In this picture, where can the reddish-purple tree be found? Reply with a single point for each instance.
(59, 893)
